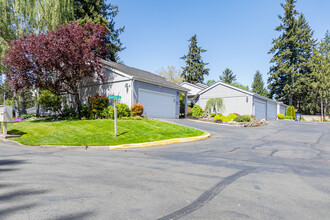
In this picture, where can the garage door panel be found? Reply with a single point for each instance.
(272, 111)
(260, 109)
(157, 105)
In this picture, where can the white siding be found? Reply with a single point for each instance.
(235, 101)
(282, 110)
(193, 89)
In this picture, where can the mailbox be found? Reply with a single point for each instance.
(6, 113)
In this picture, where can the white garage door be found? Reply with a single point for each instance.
(272, 111)
(282, 110)
(260, 109)
(156, 104)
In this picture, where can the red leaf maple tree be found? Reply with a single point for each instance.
(57, 60)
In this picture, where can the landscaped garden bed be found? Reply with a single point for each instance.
(252, 123)
(97, 132)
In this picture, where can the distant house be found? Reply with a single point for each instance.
(236, 100)
(160, 98)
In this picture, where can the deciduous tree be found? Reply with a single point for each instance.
(57, 60)
(171, 74)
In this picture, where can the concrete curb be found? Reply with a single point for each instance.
(124, 146)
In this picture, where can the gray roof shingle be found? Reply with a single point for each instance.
(144, 76)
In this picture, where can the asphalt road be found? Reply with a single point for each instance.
(278, 171)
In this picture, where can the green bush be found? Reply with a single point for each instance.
(137, 118)
(224, 118)
(287, 117)
(231, 116)
(122, 111)
(97, 103)
(213, 114)
(50, 101)
(85, 111)
(69, 112)
(216, 118)
(197, 111)
(290, 111)
(189, 114)
(26, 116)
(280, 116)
(243, 118)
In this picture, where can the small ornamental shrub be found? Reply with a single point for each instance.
(108, 112)
(231, 116)
(69, 112)
(220, 114)
(84, 111)
(243, 118)
(26, 116)
(280, 116)
(213, 114)
(189, 114)
(197, 111)
(290, 111)
(224, 118)
(97, 103)
(216, 118)
(123, 110)
(287, 117)
(137, 109)
(137, 118)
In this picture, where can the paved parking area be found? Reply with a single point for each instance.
(278, 171)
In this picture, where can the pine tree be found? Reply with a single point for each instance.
(195, 70)
(292, 51)
(228, 76)
(320, 77)
(101, 13)
(258, 85)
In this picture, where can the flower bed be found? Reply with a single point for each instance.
(252, 123)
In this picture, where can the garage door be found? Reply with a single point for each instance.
(260, 109)
(156, 104)
(282, 110)
(272, 110)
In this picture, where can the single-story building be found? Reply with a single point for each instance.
(160, 98)
(236, 100)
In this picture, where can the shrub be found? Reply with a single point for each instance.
(123, 110)
(189, 114)
(280, 116)
(84, 111)
(213, 115)
(97, 103)
(126, 118)
(137, 109)
(287, 117)
(137, 118)
(231, 116)
(243, 118)
(69, 112)
(216, 118)
(290, 111)
(50, 101)
(26, 116)
(197, 111)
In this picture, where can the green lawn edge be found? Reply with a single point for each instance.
(97, 132)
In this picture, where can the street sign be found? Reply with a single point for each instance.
(114, 97)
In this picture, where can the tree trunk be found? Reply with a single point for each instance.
(16, 105)
(78, 102)
(23, 111)
(321, 108)
(38, 105)
(290, 100)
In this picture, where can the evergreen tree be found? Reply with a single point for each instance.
(228, 76)
(258, 85)
(210, 82)
(320, 77)
(101, 13)
(292, 52)
(195, 70)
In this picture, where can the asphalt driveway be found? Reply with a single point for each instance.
(278, 171)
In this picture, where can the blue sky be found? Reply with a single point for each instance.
(236, 33)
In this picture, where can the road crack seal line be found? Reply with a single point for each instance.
(273, 152)
(207, 195)
(231, 151)
(320, 154)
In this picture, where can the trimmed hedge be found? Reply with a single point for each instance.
(243, 118)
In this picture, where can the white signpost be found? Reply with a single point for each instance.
(115, 110)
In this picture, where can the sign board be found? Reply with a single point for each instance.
(114, 97)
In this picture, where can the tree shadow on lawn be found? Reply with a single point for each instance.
(16, 132)
(122, 133)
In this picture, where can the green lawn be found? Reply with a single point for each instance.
(97, 132)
